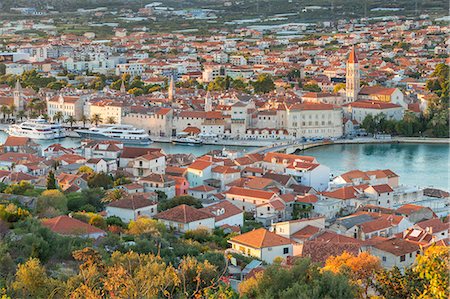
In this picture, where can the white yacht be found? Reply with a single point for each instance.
(187, 141)
(123, 133)
(37, 129)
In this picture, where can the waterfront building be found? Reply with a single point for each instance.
(67, 105)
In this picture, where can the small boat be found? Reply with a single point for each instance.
(187, 141)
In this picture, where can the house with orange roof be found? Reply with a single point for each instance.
(435, 227)
(68, 159)
(133, 206)
(384, 94)
(248, 199)
(158, 182)
(383, 194)
(181, 184)
(56, 150)
(107, 149)
(373, 177)
(203, 192)
(309, 174)
(394, 252)
(225, 175)
(289, 228)
(67, 226)
(72, 182)
(415, 213)
(199, 171)
(262, 244)
(226, 213)
(271, 212)
(183, 218)
(19, 145)
(144, 165)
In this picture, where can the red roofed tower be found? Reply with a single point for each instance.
(352, 85)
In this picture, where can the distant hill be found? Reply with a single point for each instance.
(315, 9)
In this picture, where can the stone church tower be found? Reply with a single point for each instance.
(352, 85)
(171, 89)
(208, 102)
(18, 97)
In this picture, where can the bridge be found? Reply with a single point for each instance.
(290, 147)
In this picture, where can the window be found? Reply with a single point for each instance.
(285, 250)
(402, 258)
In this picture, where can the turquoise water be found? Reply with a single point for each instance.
(425, 165)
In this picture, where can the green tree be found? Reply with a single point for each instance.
(58, 116)
(84, 119)
(312, 87)
(179, 200)
(5, 111)
(338, 87)
(71, 120)
(21, 114)
(19, 189)
(96, 119)
(51, 181)
(111, 120)
(393, 284)
(136, 91)
(263, 84)
(51, 203)
(100, 180)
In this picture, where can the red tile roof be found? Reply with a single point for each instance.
(259, 194)
(66, 225)
(397, 246)
(133, 202)
(261, 238)
(200, 165)
(222, 210)
(16, 141)
(184, 214)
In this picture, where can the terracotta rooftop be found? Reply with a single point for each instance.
(183, 214)
(132, 202)
(66, 225)
(261, 238)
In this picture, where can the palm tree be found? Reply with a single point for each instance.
(12, 109)
(70, 120)
(21, 114)
(111, 120)
(5, 111)
(30, 107)
(95, 119)
(45, 116)
(84, 119)
(40, 106)
(58, 116)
